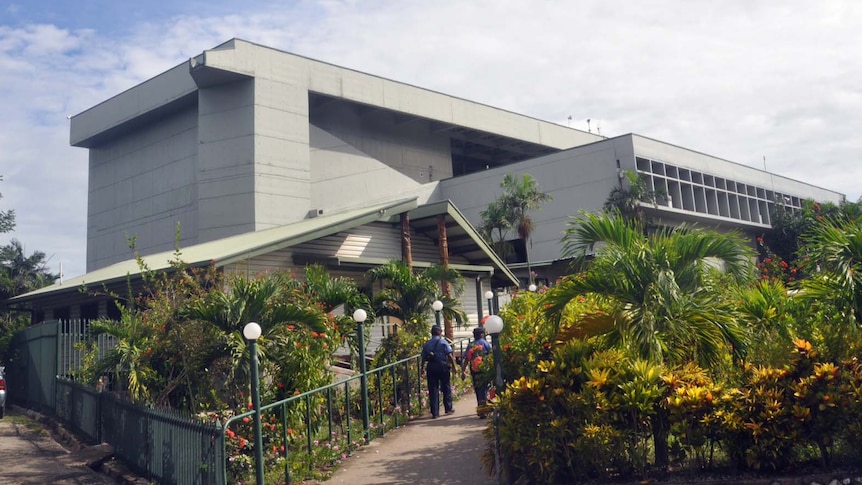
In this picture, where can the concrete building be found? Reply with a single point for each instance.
(245, 138)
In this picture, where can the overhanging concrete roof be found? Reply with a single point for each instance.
(232, 249)
(470, 123)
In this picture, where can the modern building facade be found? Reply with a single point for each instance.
(244, 138)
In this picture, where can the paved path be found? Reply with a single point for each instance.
(426, 451)
(28, 455)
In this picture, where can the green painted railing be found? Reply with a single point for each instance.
(322, 425)
(164, 446)
(325, 425)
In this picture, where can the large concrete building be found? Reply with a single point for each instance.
(244, 138)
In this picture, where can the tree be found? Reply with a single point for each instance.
(521, 195)
(834, 251)
(791, 227)
(407, 295)
(495, 227)
(628, 200)
(7, 217)
(275, 301)
(20, 273)
(654, 292)
(662, 306)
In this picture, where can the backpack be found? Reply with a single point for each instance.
(434, 356)
(475, 356)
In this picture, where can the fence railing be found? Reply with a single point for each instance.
(326, 424)
(164, 446)
(70, 354)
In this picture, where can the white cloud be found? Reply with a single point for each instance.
(739, 80)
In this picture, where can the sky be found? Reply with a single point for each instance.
(774, 83)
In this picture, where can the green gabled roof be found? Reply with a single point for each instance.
(234, 248)
(482, 252)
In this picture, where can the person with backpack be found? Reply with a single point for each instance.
(439, 362)
(474, 357)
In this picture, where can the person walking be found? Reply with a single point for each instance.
(439, 363)
(479, 348)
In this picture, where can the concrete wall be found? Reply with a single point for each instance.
(265, 63)
(226, 154)
(227, 144)
(141, 185)
(409, 148)
(577, 179)
(581, 178)
(343, 176)
(222, 144)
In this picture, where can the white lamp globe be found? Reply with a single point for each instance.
(359, 315)
(437, 305)
(532, 287)
(489, 294)
(493, 324)
(251, 331)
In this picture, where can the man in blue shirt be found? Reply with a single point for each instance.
(439, 362)
(478, 351)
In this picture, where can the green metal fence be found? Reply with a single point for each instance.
(165, 447)
(170, 448)
(326, 424)
(32, 367)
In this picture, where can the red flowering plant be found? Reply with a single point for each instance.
(772, 267)
(529, 335)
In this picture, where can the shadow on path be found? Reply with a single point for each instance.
(428, 451)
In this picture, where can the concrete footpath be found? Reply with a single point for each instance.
(425, 451)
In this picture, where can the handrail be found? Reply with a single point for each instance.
(398, 395)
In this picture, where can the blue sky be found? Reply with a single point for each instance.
(737, 79)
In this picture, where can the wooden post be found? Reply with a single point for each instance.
(406, 245)
(443, 246)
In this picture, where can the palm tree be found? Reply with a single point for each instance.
(408, 296)
(521, 195)
(628, 200)
(495, 227)
(655, 294)
(661, 304)
(7, 217)
(126, 360)
(834, 250)
(265, 300)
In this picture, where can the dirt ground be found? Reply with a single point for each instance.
(29, 455)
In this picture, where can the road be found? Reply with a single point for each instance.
(29, 455)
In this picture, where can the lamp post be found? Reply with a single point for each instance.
(359, 317)
(437, 306)
(251, 332)
(489, 295)
(493, 326)
(532, 287)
